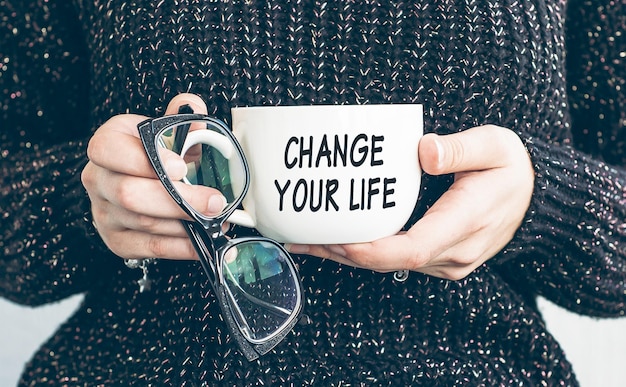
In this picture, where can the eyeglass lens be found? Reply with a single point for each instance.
(211, 159)
(262, 285)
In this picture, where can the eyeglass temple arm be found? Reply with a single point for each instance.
(202, 249)
(181, 130)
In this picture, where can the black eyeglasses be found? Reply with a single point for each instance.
(255, 280)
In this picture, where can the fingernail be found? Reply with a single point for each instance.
(297, 249)
(216, 204)
(440, 153)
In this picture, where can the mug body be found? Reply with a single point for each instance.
(329, 174)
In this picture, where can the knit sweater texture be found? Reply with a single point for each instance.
(552, 72)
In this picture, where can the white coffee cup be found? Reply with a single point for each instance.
(328, 174)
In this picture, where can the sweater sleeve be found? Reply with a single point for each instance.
(46, 253)
(571, 247)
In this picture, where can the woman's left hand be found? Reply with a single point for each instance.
(469, 224)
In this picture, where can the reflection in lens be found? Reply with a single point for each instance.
(206, 164)
(263, 287)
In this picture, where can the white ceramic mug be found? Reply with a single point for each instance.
(328, 174)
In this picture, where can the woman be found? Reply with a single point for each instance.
(530, 204)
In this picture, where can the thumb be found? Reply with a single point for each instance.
(479, 148)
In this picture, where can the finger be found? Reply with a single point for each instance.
(139, 195)
(353, 255)
(448, 270)
(108, 216)
(468, 224)
(460, 260)
(417, 249)
(364, 255)
(333, 253)
(117, 147)
(194, 101)
(132, 244)
(475, 149)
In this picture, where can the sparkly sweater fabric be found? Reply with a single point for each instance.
(67, 66)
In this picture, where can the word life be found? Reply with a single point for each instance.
(332, 194)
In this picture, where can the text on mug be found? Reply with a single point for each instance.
(335, 151)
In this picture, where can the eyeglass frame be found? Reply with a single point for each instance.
(208, 238)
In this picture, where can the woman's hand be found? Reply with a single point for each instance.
(133, 213)
(469, 224)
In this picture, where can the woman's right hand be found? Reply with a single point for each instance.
(132, 211)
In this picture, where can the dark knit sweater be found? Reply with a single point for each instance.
(67, 66)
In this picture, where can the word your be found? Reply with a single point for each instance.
(336, 151)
